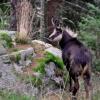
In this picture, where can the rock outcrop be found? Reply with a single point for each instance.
(40, 46)
(2, 49)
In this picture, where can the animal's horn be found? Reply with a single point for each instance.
(69, 22)
(52, 21)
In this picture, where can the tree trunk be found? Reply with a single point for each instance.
(13, 21)
(42, 26)
(52, 10)
(24, 19)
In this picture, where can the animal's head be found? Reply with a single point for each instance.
(57, 33)
(59, 30)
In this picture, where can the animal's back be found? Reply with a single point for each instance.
(77, 51)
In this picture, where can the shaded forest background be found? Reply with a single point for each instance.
(32, 20)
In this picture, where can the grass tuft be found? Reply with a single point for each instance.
(14, 96)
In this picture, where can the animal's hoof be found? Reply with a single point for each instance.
(74, 98)
(70, 90)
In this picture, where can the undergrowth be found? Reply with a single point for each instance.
(97, 65)
(14, 96)
(7, 40)
(96, 96)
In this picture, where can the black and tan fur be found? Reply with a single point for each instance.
(76, 57)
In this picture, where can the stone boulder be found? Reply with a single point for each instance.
(9, 80)
(25, 55)
(7, 77)
(54, 51)
(50, 69)
(54, 73)
(40, 46)
(2, 49)
(22, 59)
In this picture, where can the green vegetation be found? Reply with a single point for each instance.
(4, 15)
(48, 57)
(15, 57)
(14, 96)
(21, 41)
(36, 81)
(30, 57)
(14, 49)
(96, 96)
(58, 61)
(41, 67)
(97, 65)
(90, 33)
(90, 28)
(6, 40)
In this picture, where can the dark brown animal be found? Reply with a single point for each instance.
(76, 57)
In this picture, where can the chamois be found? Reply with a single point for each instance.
(76, 57)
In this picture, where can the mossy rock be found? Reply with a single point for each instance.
(3, 50)
(15, 57)
(7, 40)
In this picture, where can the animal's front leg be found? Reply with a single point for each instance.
(71, 88)
(70, 83)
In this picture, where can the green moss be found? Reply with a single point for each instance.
(5, 37)
(40, 68)
(18, 57)
(48, 57)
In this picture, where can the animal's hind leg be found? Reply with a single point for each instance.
(75, 88)
(70, 83)
(88, 85)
